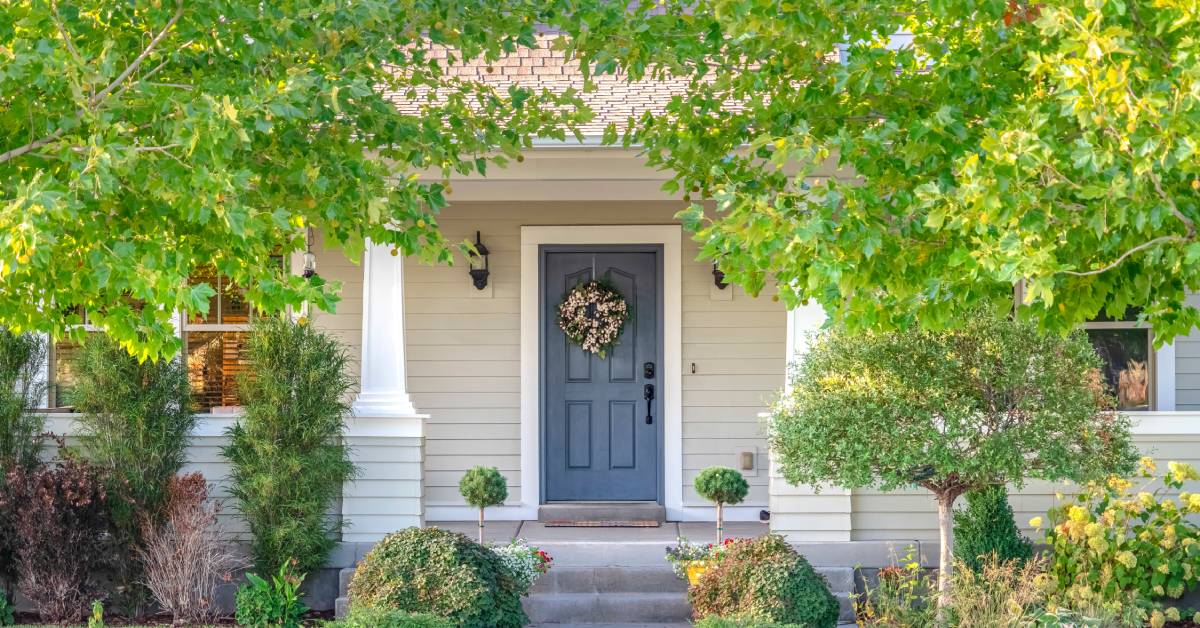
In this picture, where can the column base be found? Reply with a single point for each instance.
(389, 493)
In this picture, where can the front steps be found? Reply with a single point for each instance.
(637, 595)
(602, 511)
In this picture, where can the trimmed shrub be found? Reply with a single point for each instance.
(287, 454)
(764, 579)
(63, 523)
(385, 618)
(429, 570)
(986, 528)
(483, 487)
(135, 420)
(185, 558)
(721, 485)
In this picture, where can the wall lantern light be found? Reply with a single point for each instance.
(310, 261)
(479, 264)
(719, 278)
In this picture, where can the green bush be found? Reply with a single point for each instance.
(135, 419)
(273, 603)
(386, 618)
(287, 455)
(22, 358)
(986, 527)
(764, 579)
(429, 570)
(483, 487)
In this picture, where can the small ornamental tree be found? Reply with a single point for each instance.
(993, 401)
(721, 485)
(483, 487)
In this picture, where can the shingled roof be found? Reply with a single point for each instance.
(614, 100)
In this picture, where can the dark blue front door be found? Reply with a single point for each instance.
(601, 438)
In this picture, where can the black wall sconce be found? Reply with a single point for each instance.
(719, 278)
(479, 264)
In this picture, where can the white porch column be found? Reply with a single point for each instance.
(386, 434)
(383, 385)
(799, 512)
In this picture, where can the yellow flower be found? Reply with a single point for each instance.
(1163, 568)
(1118, 483)
(1036, 522)
(1158, 590)
(1172, 614)
(1157, 619)
(1077, 514)
(1147, 464)
(1128, 559)
(1181, 471)
(1092, 529)
(302, 321)
(1146, 498)
(1196, 618)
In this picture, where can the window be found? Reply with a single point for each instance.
(214, 343)
(61, 376)
(1125, 346)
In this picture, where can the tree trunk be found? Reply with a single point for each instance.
(720, 523)
(945, 502)
(481, 525)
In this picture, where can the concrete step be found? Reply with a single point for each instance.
(344, 577)
(607, 608)
(602, 511)
(563, 579)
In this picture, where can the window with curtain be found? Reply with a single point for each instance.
(1127, 350)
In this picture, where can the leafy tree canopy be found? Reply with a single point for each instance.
(1003, 141)
(140, 140)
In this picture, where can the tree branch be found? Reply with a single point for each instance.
(137, 62)
(1117, 262)
(104, 93)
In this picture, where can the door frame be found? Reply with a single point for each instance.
(671, 320)
(657, 251)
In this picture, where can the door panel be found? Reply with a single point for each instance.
(597, 444)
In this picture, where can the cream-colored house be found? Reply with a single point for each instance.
(456, 372)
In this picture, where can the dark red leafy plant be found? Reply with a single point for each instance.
(63, 530)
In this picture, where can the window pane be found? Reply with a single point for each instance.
(234, 308)
(214, 360)
(65, 377)
(1126, 356)
(208, 275)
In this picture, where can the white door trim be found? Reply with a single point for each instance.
(670, 237)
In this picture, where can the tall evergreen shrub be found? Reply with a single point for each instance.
(22, 387)
(135, 420)
(986, 527)
(289, 461)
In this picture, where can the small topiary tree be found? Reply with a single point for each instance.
(287, 454)
(994, 401)
(721, 485)
(483, 487)
(764, 579)
(986, 528)
(430, 570)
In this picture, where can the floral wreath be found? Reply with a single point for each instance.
(592, 315)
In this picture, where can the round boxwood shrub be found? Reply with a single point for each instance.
(443, 573)
(483, 487)
(764, 579)
(986, 527)
(721, 485)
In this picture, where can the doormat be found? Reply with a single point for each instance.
(562, 523)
